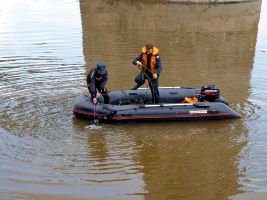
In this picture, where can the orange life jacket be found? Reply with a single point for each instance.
(152, 59)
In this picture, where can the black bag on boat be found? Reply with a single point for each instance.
(140, 78)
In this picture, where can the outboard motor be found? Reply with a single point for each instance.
(210, 92)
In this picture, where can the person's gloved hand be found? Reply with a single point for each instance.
(138, 63)
(98, 94)
(95, 100)
(155, 76)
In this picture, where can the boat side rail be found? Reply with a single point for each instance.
(198, 104)
(170, 87)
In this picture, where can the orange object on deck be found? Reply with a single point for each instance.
(190, 100)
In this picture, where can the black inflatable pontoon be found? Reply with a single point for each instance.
(136, 105)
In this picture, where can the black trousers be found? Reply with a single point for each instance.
(153, 85)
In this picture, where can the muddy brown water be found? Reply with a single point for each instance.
(46, 48)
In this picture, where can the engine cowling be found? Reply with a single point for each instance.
(210, 92)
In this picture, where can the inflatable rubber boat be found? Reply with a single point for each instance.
(136, 105)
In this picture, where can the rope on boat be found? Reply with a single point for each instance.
(148, 78)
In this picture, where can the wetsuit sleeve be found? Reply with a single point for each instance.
(158, 65)
(91, 83)
(139, 58)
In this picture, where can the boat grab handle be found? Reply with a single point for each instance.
(201, 105)
(173, 93)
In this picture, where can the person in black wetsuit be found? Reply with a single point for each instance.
(96, 81)
(149, 62)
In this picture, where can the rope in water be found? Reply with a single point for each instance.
(95, 120)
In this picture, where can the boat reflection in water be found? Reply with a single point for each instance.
(199, 44)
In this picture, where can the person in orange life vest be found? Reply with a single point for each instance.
(96, 81)
(149, 62)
